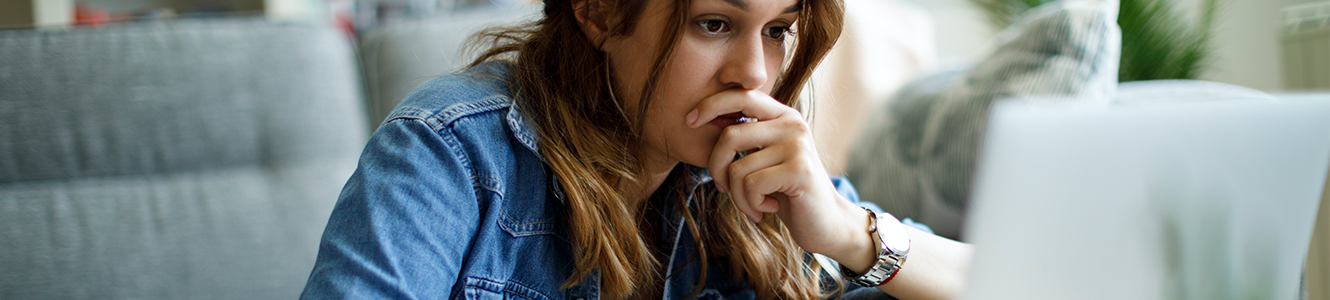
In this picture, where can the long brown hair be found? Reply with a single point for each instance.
(561, 84)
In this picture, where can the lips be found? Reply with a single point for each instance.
(726, 120)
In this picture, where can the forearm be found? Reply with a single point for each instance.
(936, 268)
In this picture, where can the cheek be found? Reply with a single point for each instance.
(685, 82)
(631, 73)
(689, 78)
(775, 56)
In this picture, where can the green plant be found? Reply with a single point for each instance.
(1157, 41)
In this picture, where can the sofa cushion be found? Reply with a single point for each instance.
(883, 45)
(397, 59)
(915, 158)
(168, 160)
(1182, 90)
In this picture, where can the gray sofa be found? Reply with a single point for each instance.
(192, 159)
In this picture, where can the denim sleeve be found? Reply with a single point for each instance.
(846, 190)
(403, 221)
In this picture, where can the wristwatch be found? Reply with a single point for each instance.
(893, 246)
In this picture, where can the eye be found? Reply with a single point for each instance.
(778, 32)
(714, 26)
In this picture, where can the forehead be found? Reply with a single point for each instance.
(790, 5)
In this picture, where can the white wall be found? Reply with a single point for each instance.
(52, 12)
(1246, 40)
(962, 30)
(1247, 43)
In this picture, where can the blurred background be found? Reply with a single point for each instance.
(260, 109)
(1246, 45)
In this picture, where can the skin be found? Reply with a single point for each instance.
(726, 65)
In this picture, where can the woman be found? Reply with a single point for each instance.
(624, 149)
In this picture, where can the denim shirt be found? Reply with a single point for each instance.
(452, 200)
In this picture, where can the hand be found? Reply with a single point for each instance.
(782, 172)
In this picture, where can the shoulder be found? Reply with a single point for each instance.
(472, 118)
(480, 91)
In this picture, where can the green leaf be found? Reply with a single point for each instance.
(1157, 41)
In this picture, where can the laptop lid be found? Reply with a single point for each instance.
(1202, 200)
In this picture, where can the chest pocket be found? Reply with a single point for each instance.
(485, 289)
(533, 210)
(516, 226)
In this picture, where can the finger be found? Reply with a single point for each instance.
(768, 184)
(763, 202)
(722, 176)
(750, 103)
(735, 139)
(754, 204)
(744, 138)
(748, 211)
(737, 194)
(755, 161)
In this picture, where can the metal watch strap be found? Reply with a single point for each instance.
(889, 260)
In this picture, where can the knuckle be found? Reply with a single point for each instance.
(735, 171)
(806, 168)
(796, 193)
(731, 132)
(798, 126)
(750, 181)
(794, 112)
(794, 123)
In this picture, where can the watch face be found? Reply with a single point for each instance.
(893, 234)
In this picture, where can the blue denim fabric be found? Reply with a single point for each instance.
(452, 200)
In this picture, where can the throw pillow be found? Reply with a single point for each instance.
(916, 158)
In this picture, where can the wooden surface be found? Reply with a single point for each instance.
(14, 13)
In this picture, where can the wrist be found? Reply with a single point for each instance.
(892, 244)
(857, 251)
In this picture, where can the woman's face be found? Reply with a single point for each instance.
(725, 44)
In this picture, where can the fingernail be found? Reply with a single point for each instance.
(722, 188)
(692, 117)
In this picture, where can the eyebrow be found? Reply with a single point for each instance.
(744, 5)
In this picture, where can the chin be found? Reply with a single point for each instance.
(699, 156)
(692, 147)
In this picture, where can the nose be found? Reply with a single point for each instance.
(745, 64)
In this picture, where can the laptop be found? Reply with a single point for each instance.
(1203, 200)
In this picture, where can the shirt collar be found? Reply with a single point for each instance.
(524, 131)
